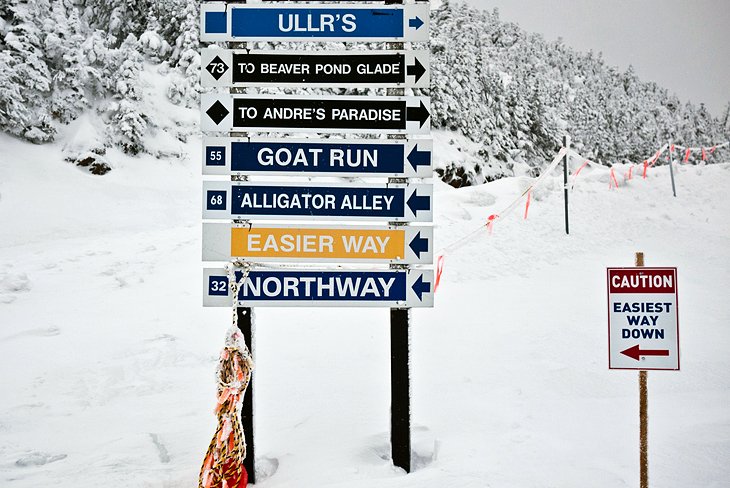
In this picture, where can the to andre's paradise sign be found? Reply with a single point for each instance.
(643, 323)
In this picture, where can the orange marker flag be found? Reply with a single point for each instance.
(439, 270)
(490, 222)
(612, 180)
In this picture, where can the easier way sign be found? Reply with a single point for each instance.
(322, 288)
(404, 115)
(328, 244)
(225, 68)
(322, 157)
(313, 22)
(643, 323)
(317, 201)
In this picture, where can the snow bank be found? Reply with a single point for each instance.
(108, 358)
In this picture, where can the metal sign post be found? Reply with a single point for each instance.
(671, 168)
(400, 354)
(566, 145)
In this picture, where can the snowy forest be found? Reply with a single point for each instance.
(511, 92)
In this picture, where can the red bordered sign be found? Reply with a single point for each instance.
(643, 320)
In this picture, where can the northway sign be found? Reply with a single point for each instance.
(317, 201)
(318, 157)
(226, 68)
(312, 22)
(322, 288)
(401, 115)
(643, 323)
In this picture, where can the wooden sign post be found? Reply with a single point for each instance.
(643, 333)
(643, 412)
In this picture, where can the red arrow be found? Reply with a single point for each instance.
(636, 352)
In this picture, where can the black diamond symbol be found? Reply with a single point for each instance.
(217, 112)
(217, 68)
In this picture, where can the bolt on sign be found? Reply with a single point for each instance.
(643, 320)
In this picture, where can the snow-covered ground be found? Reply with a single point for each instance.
(107, 356)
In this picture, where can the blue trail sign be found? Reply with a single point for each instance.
(313, 22)
(227, 200)
(318, 157)
(322, 288)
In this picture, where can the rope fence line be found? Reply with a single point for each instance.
(488, 226)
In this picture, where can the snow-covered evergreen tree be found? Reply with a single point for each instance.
(151, 42)
(117, 18)
(128, 123)
(184, 88)
(511, 92)
(65, 59)
(26, 78)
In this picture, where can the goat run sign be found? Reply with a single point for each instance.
(643, 321)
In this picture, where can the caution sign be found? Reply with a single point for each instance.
(643, 320)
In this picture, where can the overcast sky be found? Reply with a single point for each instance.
(684, 45)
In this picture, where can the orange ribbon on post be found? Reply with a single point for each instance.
(439, 270)
(612, 181)
(490, 222)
